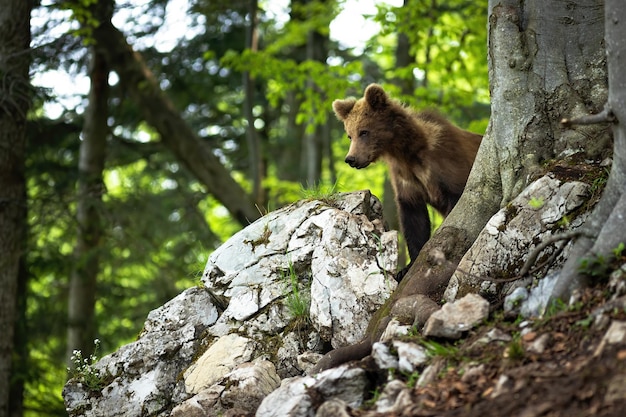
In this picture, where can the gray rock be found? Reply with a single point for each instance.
(615, 335)
(204, 404)
(291, 399)
(389, 396)
(539, 296)
(308, 360)
(430, 373)
(296, 396)
(248, 384)
(617, 282)
(219, 359)
(347, 280)
(344, 258)
(383, 357)
(493, 335)
(538, 346)
(333, 408)
(393, 330)
(410, 356)
(457, 317)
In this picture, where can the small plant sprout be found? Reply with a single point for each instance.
(599, 266)
(536, 203)
(564, 222)
(619, 250)
(555, 307)
(376, 393)
(320, 191)
(84, 369)
(435, 349)
(515, 350)
(412, 378)
(297, 303)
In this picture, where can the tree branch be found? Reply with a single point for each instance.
(175, 133)
(605, 116)
(532, 256)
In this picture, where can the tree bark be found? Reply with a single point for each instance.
(404, 59)
(290, 163)
(254, 144)
(313, 138)
(20, 365)
(606, 227)
(14, 105)
(316, 137)
(81, 328)
(545, 60)
(176, 135)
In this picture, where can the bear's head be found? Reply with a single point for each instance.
(368, 123)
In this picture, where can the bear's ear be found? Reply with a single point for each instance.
(343, 107)
(376, 97)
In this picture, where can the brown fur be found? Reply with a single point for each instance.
(429, 158)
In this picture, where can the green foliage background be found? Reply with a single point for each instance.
(160, 223)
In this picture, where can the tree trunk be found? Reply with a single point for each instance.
(546, 61)
(254, 144)
(312, 138)
(404, 59)
(14, 106)
(176, 135)
(327, 139)
(20, 365)
(316, 137)
(606, 228)
(81, 327)
(290, 166)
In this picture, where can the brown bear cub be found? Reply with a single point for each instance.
(429, 158)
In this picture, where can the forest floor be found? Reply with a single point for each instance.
(560, 366)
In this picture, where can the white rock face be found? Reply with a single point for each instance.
(226, 346)
(249, 383)
(346, 281)
(389, 396)
(340, 254)
(536, 214)
(616, 334)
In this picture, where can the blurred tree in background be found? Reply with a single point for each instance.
(224, 118)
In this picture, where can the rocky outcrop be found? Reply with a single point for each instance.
(494, 265)
(308, 278)
(274, 296)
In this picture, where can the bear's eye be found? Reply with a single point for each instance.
(363, 133)
(349, 137)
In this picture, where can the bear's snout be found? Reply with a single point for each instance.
(354, 163)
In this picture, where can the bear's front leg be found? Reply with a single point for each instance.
(415, 224)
